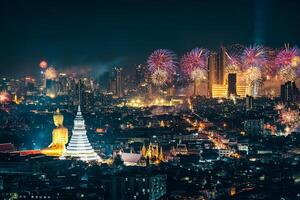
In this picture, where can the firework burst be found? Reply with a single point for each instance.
(43, 64)
(287, 57)
(232, 64)
(194, 63)
(287, 73)
(254, 56)
(253, 59)
(159, 77)
(253, 74)
(162, 59)
(287, 60)
(289, 117)
(50, 73)
(279, 106)
(4, 97)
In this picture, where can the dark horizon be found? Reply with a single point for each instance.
(101, 35)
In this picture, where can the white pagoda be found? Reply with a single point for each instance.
(79, 146)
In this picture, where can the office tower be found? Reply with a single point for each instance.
(87, 100)
(289, 91)
(50, 88)
(62, 84)
(221, 66)
(212, 67)
(249, 102)
(254, 126)
(79, 89)
(140, 75)
(231, 84)
(138, 186)
(119, 81)
(79, 146)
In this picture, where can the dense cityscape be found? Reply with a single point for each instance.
(205, 124)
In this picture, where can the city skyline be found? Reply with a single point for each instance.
(150, 100)
(104, 35)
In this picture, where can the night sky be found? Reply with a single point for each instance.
(103, 34)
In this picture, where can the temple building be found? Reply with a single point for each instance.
(59, 137)
(153, 152)
(79, 146)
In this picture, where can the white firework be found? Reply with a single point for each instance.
(159, 77)
(199, 74)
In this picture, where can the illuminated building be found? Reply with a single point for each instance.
(254, 126)
(181, 149)
(119, 82)
(289, 91)
(212, 66)
(221, 66)
(59, 137)
(241, 90)
(221, 91)
(153, 153)
(63, 84)
(140, 74)
(50, 88)
(79, 146)
(232, 84)
(146, 186)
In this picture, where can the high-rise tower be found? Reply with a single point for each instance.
(119, 81)
(79, 146)
(231, 84)
(212, 67)
(221, 66)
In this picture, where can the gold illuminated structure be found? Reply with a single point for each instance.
(153, 152)
(221, 91)
(59, 137)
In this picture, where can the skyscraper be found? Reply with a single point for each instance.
(231, 84)
(221, 66)
(140, 75)
(249, 102)
(119, 81)
(289, 91)
(79, 146)
(212, 67)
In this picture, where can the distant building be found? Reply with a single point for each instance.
(254, 126)
(138, 186)
(221, 66)
(249, 102)
(119, 82)
(51, 87)
(289, 91)
(232, 84)
(212, 67)
(200, 87)
(225, 152)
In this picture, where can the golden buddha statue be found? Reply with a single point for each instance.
(59, 137)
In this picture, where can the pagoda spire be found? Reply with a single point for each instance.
(79, 146)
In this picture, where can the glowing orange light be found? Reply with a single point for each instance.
(4, 97)
(43, 64)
